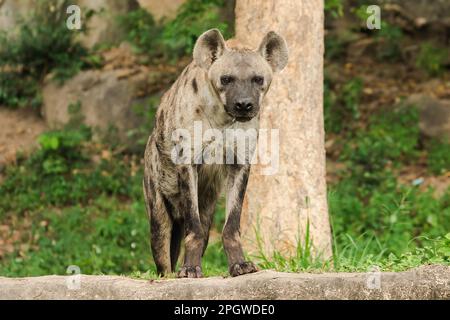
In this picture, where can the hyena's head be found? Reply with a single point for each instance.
(240, 77)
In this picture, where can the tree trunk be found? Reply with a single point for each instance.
(279, 208)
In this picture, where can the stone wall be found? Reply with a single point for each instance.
(428, 282)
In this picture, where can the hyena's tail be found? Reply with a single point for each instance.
(175, 243)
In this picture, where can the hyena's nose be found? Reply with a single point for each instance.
(245, 106)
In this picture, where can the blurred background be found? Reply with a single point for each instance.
(77, 106)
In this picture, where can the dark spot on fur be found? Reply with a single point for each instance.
(158, 147)
(167, 204)
(161, 118)
(184, 171)
(194, 85)
(197, 110)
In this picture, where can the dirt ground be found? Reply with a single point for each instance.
(18, 132)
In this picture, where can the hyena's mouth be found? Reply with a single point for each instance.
(240, 118)
(243, 119)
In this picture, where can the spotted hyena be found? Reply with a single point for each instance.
(222, 88)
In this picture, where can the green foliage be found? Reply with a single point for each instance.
(334, 47)
(18, 90)
(388, 37)
(41, 45)
(342, 112)
(393, 215)
(391, 138)
(432, 59)
(194, 17)
(76, 202)
(439, 157)
(64, 172)
(174, 38)
(304, 259)
(103, 238)
(143, 32)
(147, 112)
(375, 220)
(335, 7)
(91, 214)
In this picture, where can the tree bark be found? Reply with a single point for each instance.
(278, 208)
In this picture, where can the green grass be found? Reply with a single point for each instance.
(439, 156)
(75, 202)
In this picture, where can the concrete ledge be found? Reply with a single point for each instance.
(427, 282)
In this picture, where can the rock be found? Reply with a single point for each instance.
(106, 99)
(104, 27)
(434, 115)
(162, 8)
(10, 11)
(428, 282)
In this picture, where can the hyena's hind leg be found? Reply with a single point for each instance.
(160, 230)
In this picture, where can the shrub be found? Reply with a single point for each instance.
(342, 112)
(64, 172)
(398, 217)
(390, 139)
(439, 157)
(432, 59)
(42, 44)
(194, 17)
(142, 31)
(174, 38)
(388, 36)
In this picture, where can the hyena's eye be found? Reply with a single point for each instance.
(258, 80)
(226, 80)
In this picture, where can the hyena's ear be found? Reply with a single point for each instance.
(274, 49)
(209, 47)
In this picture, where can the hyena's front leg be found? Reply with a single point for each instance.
(160, 227)
(236, 185)
(194, 234)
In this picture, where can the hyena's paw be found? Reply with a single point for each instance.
(190, 272)
(239, 269)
